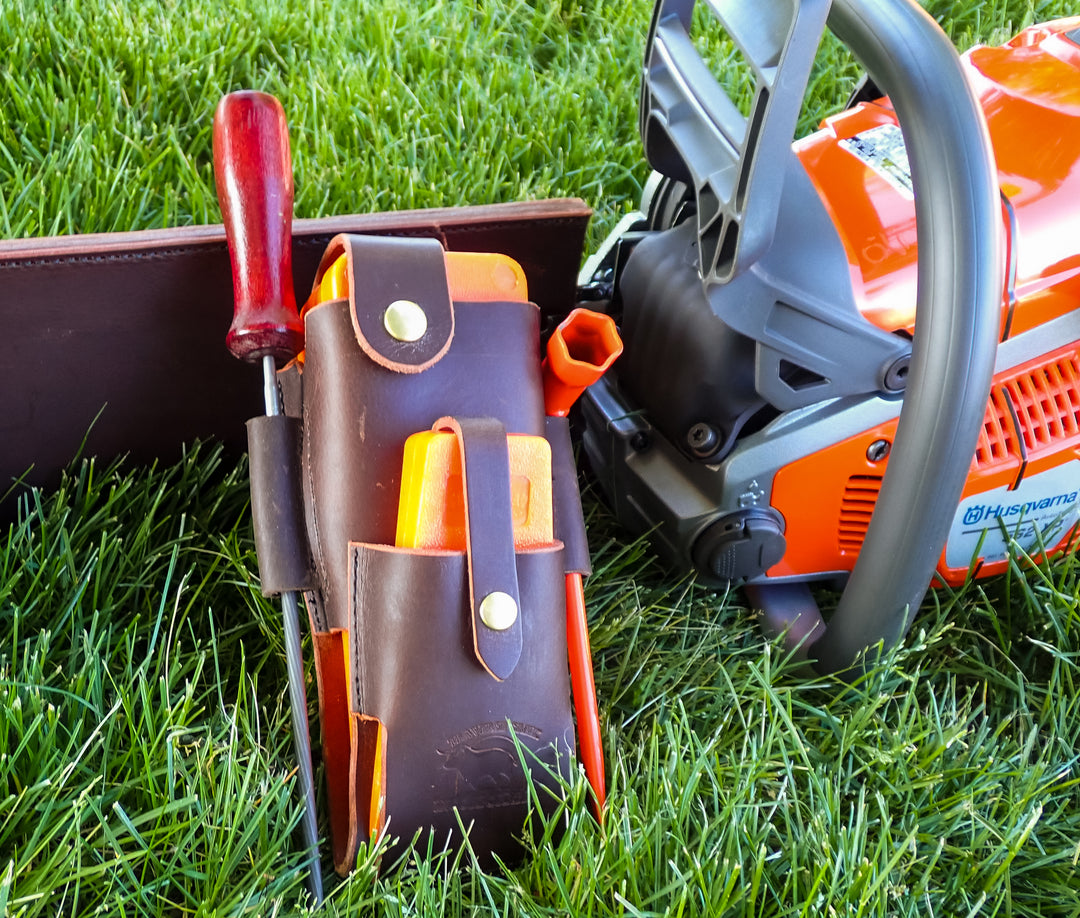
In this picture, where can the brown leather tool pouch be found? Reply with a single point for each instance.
(431, 718)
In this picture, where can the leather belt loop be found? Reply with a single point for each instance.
(569, 517)
(494, 598)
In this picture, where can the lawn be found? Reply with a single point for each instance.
(145, 751)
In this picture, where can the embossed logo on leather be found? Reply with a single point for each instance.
(481, 768)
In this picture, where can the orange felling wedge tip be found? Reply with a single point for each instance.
(483, 277)
(473, 277)
(431, 511)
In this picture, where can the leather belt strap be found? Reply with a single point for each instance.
(569, 517)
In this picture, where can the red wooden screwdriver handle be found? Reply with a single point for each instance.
(253, 173)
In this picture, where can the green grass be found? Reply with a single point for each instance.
(145, 750)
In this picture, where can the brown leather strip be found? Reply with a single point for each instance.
(385, 270)
(489, 537)
(277, 509)
(569, 518)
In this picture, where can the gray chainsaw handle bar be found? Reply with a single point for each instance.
(960, 282)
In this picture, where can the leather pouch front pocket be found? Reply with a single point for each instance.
(459, 745)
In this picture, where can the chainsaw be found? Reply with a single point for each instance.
(850, 360)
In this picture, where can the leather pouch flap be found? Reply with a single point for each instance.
(399, 298)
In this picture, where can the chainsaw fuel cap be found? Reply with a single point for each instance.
(740, 546)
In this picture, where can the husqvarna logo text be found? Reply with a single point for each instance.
(979, 513)
(1038, 513)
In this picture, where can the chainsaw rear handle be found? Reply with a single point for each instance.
(960, 282)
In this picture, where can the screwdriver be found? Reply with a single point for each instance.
(253, 174)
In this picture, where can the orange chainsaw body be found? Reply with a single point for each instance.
(1024, 481)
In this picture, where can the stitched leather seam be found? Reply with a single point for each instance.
(104, 258)
(440, 231)
(316, 535)
(495, 227)
(205, 248)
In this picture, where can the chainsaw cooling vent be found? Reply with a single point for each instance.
(856, 508)
(997, 439)
(1047, 402)
(1031, 410)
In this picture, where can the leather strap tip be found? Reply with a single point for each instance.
(498, 654)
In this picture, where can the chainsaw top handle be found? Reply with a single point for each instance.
(960, 282)
(695, 134)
